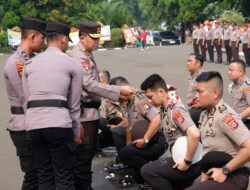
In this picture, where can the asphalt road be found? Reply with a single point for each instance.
(135, 65)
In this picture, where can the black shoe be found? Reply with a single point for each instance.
(144, 186)
(118, 166)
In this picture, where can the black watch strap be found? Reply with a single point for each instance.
(188, 162)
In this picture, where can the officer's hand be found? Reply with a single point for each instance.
(127, 90)
(77, 140)
(139, 143)
(181, 165)
(204, 177)
(111, 127)
(123, 123)
(217, 175)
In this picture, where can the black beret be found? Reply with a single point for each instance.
(214, 159)
(58, 27)
(93, 29)
(34, 24)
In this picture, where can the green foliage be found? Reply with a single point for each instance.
(117, 38)
(3, 39)
(232, 17)
(10, 19)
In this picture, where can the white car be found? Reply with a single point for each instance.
(150, 38)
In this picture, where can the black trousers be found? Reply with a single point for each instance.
(161, 175)
(218, 50)
(84, 155)
(195, 115)
(53, 150)
(196, 46)
(136, 157)
(203, 49)
(246, 51)
(228, 50)
(210, 49)
(235, 50)
(238, 180)
(105, 137)
(24, 152)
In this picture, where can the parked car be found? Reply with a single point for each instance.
(167, 38)
(151, 36)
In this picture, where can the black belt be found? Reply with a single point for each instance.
(94, 105)
(47, 103)
(16, 110)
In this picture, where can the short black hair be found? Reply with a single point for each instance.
(119, 81)
(241, 63)
(153, 82)
(106, 74)
(25, 32)
(53, 36)
(198, 57)
(212, 75)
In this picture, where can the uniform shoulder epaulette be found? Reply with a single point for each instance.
(222, 108)
(28, 62)
(139, 95)
(247, 81)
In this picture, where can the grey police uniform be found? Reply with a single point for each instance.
(195, 43)
(222, 130)
(235, 37)
(226, 37)
(241, 97)
(160, 174)
(190, 98)
(202, 42)
(12, 76)
(140, 108)
(210, 46)
(52, 84)
(246, 45)
(92, 91)
(217, 43)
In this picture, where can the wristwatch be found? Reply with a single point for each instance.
(188, 162)
(226, 170)
(145, 140)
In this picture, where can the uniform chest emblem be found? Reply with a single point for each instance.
(230, 121)
(178, 117)
(19, 67)
(86, 64)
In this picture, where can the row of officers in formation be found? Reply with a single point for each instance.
(55, 98)
(206, 37)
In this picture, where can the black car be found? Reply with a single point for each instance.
(167, 38)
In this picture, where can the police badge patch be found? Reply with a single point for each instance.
(178, 117)
(86, 64)
(230, 121)
(19, 66)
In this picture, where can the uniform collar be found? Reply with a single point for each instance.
(82, 48)
(23, 54)
(242, 81)
(194, 75)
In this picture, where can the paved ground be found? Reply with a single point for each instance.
(135, 65)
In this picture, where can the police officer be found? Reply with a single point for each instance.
(234, 41)
(194, 66)
(210, 47)
(92, 91)
(221, 130)
(246, 43)
(216, 41)
(176, 122)
(239, 90)
(226, 37)
(32, 40)
(195, 34)
(201, 40)
(145, 142)
(52, 85)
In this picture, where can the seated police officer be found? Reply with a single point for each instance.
(176, 122)
(221, 130)
(52, 85)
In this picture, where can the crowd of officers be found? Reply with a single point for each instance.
(209, 35)
(55, 100)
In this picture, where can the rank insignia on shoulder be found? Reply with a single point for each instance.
(25, 56)
(222, 108)
(86, 64)
(146, 106)
(230, 121)
(177, 116)
(139, 95)
(247, 81)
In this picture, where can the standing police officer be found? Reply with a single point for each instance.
(32, 40)
(221, 130)
(246, 43)
(92, 91)
(52, 85)
(216, 41)
(176, 122)
(195, 38)
(210, 47)
(201, 40)
(226, 34)
(234, 41)
(239, 90)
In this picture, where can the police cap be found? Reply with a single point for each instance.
(58, 27)
(93, 29)
(34, 24)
